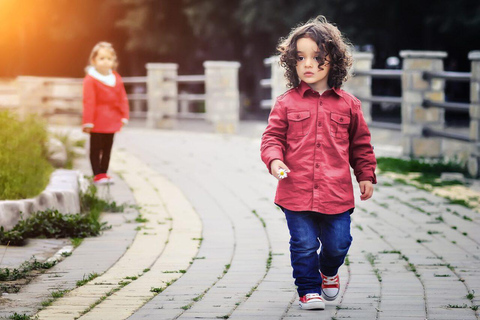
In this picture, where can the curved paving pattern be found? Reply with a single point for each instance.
(161, 250)
(405, 263)
(414, 255)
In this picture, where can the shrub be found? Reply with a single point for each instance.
(24, 168)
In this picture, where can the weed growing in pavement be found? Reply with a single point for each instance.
(141, 219)
(156, 290)
(259, 218)
(390, 251)
(269, 260)
(90, 277)
(17, 316)
(100, 300)
(471, 295)
(59, 293)
(8, 277)
(441, 275)
(249, 294)
(227, 266)
(457, 306)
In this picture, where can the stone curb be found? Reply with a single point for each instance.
(62, 194)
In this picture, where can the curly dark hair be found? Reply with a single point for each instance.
(327, 36)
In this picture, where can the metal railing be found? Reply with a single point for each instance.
(380, 73)
(451, 106)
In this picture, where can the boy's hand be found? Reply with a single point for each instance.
(87, 129)
(275, 166)
(366, 188)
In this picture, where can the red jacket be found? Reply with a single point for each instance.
(318, 137)
(104, 106)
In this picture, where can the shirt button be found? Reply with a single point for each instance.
(316, 187)
(318, 145)
(317, 165)
(298, 116)
(341, 119)
(321, 102)
(319, 124)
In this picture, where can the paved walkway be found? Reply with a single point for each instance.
(211, 244)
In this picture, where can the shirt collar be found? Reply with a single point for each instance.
(303, 87)
(109, 79)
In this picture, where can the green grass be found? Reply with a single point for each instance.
(429, 169)
(24, 168)
(76, 242)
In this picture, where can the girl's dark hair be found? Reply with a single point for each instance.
(326, 36)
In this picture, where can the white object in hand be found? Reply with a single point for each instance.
(282, 174)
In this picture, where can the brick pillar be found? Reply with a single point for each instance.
(222, 104)
(474, 160)
(360, 85)
(162, 93)
(414, 90)
(278, 80)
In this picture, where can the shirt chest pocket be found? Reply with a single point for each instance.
(339, 124)
(298, 124)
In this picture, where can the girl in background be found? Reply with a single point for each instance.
(105, 107)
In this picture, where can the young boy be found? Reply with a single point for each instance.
(315, 132)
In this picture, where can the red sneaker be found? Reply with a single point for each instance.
(312, 301)
(330, 287)
(101, 179)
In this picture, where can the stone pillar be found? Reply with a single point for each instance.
(222, 102)
(162, 95)
(32, 95)
(414, 90)
(278, 80)
(360, 85)
(474, 160)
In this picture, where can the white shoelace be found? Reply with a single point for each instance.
(330, 280)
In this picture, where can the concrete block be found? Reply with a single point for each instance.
(427, 147)
(475, 92)
(418, 83)
(412, 97)
(429, 115)
(418, 64)
(437, 84)
(435, 95)
(475, 129)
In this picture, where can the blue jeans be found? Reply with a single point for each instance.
(307, 230)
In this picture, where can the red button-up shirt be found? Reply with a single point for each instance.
(318, 137)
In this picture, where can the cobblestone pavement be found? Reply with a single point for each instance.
(211, 244)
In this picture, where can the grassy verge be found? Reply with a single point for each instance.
(24, 168)
(429, 170)
(53, 224)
